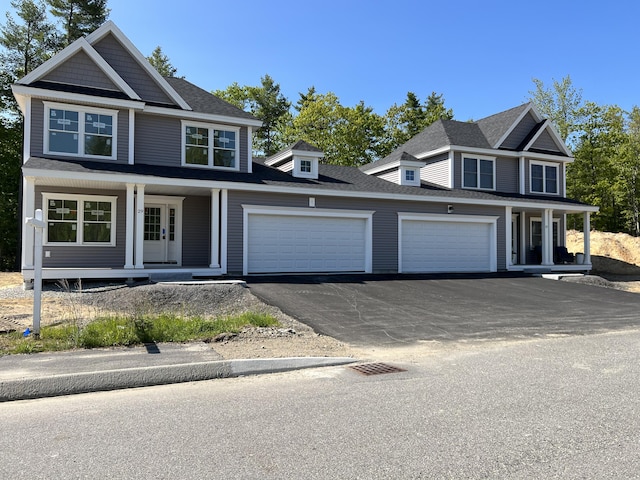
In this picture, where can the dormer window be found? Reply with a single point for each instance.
(210, 146)
(410, 175)
(305, 166)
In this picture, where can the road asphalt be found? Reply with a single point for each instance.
(65, 373)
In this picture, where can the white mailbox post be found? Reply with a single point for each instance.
(37, 223)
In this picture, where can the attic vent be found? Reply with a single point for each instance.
(376, 369)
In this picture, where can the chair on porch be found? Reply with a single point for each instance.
(562, 255)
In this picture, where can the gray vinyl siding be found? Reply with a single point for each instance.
(507, 173)
(159, 141)
(196, 231)
(437, 171)
(83, 256)
(81, 70)
(38, 131)
(391, 176)
(545, 142)
(130, 70)
(519, 133)
(385, 222)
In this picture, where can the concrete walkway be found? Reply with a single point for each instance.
(65, 373)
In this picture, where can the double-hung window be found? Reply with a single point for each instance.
(478, 172)
(544, 177)
(72, 130)
(210, 146)
(79, 219)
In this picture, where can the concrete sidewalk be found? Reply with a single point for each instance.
(65, 373)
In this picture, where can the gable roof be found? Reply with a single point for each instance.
(498, 126)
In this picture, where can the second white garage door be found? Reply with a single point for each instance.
(300, 243)
(447, 246)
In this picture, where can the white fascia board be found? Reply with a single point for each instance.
(278, 157)
(110, 27)
(75, 97)
(64, 55)
(306, 211)
(511, 153)
(208, 184)
(444, 217)
(433, 153)
(306, 153)
(548, 127)
(203, 117)
(515, 123)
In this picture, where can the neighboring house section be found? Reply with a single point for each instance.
(136, 173)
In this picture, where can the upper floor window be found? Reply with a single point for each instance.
(410, 175)
(79, 219)
(80, 131)
(210, 146)
(478, 173)
(305, 166)
(544, 177)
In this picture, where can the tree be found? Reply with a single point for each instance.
(161, 63)
(627, 185)
(266, 103)
(405, 121)
(79, 17)
(26, 44)
(562, 104)
(10, 159)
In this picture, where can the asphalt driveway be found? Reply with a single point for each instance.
(393, 310)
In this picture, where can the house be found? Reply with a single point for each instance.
(136, 174)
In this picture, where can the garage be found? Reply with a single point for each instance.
(307, 241)
(447, 243)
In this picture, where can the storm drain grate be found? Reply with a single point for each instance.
(376, 368)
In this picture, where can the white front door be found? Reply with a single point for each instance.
(160, 234)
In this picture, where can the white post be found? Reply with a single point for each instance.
(508, 234)
(224, 202)
(129, 226)
(523, 238)
(28, 211)
(547, 237)
(215, 228)
(139, 254)
(587, 238)
(38, 225)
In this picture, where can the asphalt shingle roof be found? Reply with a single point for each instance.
(495, 126)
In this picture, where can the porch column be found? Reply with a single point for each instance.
(215, 228)
(28, 210)
(587, 237)
(508, 220)
(547, 237)
(523, 238)
(139, 241)
(223, 231)
(129, 225)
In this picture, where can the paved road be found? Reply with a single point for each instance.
(394, 310)
(548, 408)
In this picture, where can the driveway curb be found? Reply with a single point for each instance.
(84, 382)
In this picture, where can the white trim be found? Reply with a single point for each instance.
(564, 179)
(522, 173)
(548, 127)
(82, 111)
(394, 165)
(297, 166)
(80, 199)
(416, 176)
(168, 201)
(132, 133)
(523, 238)
(210, 148)
(478, 158)
(249, 150)
(536, 135)
(26, 145)
(70, 51)
(285, 154)
(56, 96)
(110, 27)
(587, 237)
(207, 184)
(544, 177)
(28, 211)
(367, 215)
(129, 226)
(215, 228)
(139, 232)
(529, 108)
(508, 233)
(201, 117)
(549, 246)
(491, 220)
(224, 227)
(490, 152)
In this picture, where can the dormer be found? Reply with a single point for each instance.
(300, 160)
(404, 170)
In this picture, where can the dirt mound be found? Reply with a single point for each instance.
(617, 253)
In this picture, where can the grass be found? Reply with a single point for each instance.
(123, 331)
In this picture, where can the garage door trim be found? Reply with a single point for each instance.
(367, 215)
(490, 220)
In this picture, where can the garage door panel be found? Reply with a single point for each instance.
(445, 246)
(292, 243)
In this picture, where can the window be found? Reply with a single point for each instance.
(209, 146)
(305, 166)
(410, 175)
(478, 173)
(80, 131)
(544, 177)
(536, 232)
(79, 220)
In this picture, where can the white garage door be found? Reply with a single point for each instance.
(292, 243)
(444, 246)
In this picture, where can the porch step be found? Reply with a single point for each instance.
(170, 277)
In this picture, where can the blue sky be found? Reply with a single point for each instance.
(481, 55)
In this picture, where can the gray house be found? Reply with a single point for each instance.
(136, 173)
